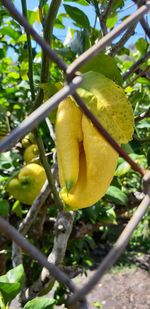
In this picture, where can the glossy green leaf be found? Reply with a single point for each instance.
(78, 16)
(11, 283)
(111, 20)
(14, 275)
(17, 209)
(40, 303)
(4, 208)
(8, 30)
(141, 45)
(122, 169)
(105, 65)
(117, 196)
(143, 124)
(9, 291)
(82, 2)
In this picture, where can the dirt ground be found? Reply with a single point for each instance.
(122, 288)
(129, 290)
(125, 290)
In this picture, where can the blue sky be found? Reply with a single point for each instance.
(130, 7)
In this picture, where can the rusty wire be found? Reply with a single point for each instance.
(40, 113)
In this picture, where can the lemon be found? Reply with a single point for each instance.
(31, 153)
(86, 161)
(28, 183)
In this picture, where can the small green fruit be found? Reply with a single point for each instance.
(28, 183)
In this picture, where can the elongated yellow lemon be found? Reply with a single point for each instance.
(68, 137)
(85, 160)
(96, 169)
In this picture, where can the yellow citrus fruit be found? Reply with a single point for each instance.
(86, 161)
(27, 184)
(31, 153)
(28, 140)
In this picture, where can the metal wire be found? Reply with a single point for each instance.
(42, 112)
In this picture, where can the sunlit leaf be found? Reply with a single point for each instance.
(40, 303)
(111, 20)
(105, 65)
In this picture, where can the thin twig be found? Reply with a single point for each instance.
(145, 27)
(47, 36)
(107, 9)
(47, 168)
(63, 228)
(118, 247)
(99, 15)
(30, 54)
(28, 221)
(143, 115)
(38, 115)
(29, 249)
(105, 41)
(107, 136)
(136, 65)
(143, 22)
(22, 21)
(126, 36)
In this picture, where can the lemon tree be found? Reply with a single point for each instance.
(89, 172)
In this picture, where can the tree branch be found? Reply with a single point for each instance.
(143, 22)
(30, 55)
(63, 228)
(39, 115)
(142, 116)
(28, 221)
(126, 36)
(105, 41)
(13, 234)
(22, 20)
(47, 168)
(47, 36)
(136, 65)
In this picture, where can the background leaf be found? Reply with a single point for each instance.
(40, 303)
(117, 196)
(78, 16)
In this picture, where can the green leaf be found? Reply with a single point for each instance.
(82, 2)
(11, 283)
(40, 303)
(117, 196)
(143, 124)
(9, 291)
(17, 209)
(122, 169)
(108, 217)
(33, 16)
(8, 30)
(141, 45)
(14, 275)
(105, 65)
(4, 208)
(111, 20)
(78, 16)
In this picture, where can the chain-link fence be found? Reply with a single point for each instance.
(73, 80)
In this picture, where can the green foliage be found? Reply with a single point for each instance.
(74, 32)
(40, 303)
(11, 283)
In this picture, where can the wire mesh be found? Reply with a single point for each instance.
(40, 114)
